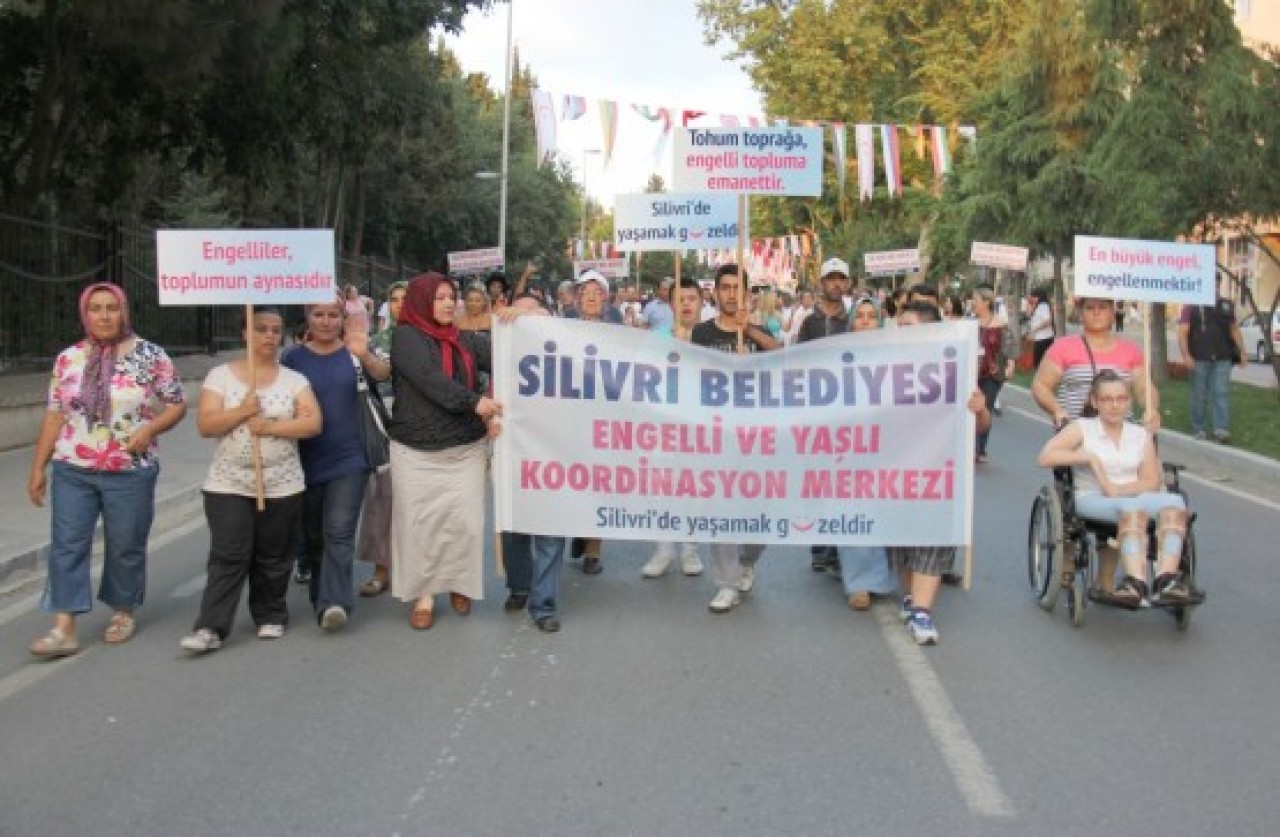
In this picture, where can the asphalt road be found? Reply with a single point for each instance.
(649, 715)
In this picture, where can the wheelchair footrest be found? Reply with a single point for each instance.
(1195, 597)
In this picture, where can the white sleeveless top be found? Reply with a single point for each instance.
(1121, 462)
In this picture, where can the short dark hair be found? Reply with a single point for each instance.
(926, 311)
(729, 269)
(923, 289)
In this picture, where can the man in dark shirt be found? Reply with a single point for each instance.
(829, 317)
(1210, 336)
(729, 331)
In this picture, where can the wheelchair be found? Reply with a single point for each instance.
(1062, 551)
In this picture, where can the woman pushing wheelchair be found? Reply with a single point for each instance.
(1119, 480)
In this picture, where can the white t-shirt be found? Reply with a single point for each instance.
(1121, 462)
(1040, 326)
(231, 471)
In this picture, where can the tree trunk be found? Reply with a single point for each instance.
(1059, 302)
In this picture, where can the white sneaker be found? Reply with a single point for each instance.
(662, 558)
(748, 578)
(334, 618)
(726, 600)
(201, 641)
(270, 631)
(690, 563)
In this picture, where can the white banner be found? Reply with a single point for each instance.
(759, 161)
(476, 261)
(675, 221)
(999, 256)
(1149, 271)
(238, 267)
(621, 433)
(888, 262)
(609, 268)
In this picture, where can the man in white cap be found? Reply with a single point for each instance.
(593, 306)
(830, 316)
(593, 298)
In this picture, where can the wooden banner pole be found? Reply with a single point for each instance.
(252, 352)
(742, 269)
(1146, 359)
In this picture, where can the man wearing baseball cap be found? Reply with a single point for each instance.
(593, 306)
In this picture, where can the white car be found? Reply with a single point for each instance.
(1253, 339)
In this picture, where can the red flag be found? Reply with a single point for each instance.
(690, 114)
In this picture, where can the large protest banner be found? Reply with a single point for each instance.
(235, 267)
(1147, 271)
(475, 261)
(741, 161)
(680, 221)
(619, 433)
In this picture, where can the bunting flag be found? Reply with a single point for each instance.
(689, 115)
(572, 107)
(838, 144)
(608, 127)
(753, 122)
(969, 132)
(651, 114)
(892, 158)
(866, 151)
(941, 154)
(729, 121)
(544, 125)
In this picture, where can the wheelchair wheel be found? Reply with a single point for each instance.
(1076, 602)
(1044, 548)
(1182, 615)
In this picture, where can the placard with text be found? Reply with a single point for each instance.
(238, 267)
(748, 161)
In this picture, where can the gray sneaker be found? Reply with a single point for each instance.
(333, 619)
(200, 642)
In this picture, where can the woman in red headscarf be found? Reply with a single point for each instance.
(439, 431)
(99, 432)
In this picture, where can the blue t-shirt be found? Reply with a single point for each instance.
(338, 450)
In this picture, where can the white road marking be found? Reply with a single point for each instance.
(34, 673)
(188, 588)
(1186, 475)
(29, 603)
(973, 776)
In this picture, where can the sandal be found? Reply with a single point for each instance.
(53, 645)
(375, 586)
(420, 619)
(120, 629)
(1132, 593)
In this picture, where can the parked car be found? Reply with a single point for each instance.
(1253, 338)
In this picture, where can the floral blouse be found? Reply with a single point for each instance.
(142, 377)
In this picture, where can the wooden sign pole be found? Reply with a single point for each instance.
(252, 357)
(742, 270)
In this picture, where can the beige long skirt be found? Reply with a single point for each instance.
(437, 521)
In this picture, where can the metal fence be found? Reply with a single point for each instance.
(44, 266)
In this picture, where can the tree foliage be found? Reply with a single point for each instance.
(294, 113)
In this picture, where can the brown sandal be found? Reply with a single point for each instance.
(420, 619)
(120, 629)
(460, 603)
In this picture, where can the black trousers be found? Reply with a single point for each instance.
(245, 543)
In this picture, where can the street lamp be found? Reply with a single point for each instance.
(506, 141)
(583, 236)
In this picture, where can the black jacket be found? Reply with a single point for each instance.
(433, 411)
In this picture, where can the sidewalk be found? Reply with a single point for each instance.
(184, 461)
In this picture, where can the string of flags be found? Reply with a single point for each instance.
(934, 141)
(777, 261)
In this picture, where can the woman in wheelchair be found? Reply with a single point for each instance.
(1119, 480)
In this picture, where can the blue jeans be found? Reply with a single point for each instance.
(331, 513)
(533, 566)
(126, 502)
(866, 568)
(1209, 382)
